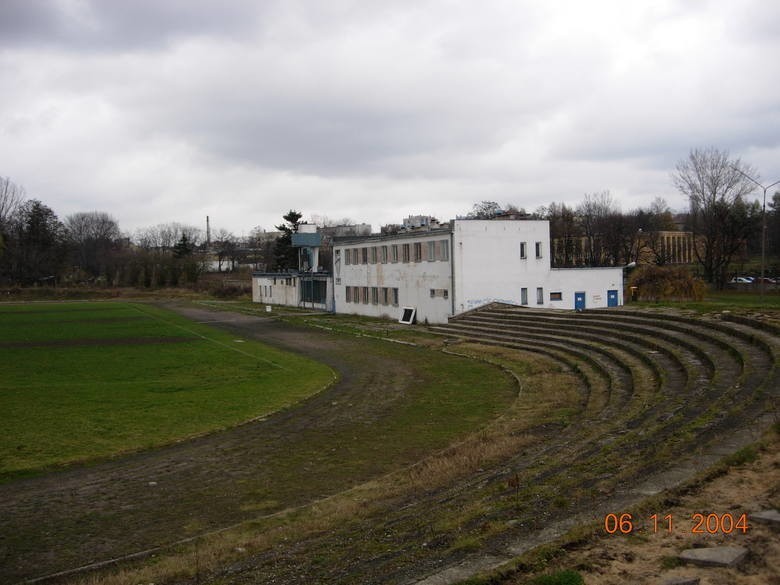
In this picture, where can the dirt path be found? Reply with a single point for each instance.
(83, 515)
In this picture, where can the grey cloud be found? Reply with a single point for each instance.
(118, 25)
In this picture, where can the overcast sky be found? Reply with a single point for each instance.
(172, 110)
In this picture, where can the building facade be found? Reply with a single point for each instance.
(440, 271)
(447, 270)
(379, 274)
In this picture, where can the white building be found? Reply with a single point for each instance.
(378, 274)
(308, 287)
(442, 271)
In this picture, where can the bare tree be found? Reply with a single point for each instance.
(565, 233)
(653, 221)
(325, 221)
(484, 210)
(594, 213)
(92, 237)
(11, 198)
(720, 217)
(164, 236)
(157, 264)
(225, 243)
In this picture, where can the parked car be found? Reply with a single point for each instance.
(741, 280)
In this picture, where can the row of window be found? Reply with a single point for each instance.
(413, 252)
(373, 294)
(285, 281)
(554, 296)
(524, 251)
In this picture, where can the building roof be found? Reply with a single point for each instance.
(420, 233)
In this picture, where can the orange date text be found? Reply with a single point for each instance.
(699, 523)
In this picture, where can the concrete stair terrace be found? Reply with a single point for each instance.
(660, 377)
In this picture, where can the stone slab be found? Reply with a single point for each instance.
(716, 556)
(682, 581)
(768, 516)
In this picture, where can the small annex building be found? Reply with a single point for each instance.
(309, 286)
(443, 270)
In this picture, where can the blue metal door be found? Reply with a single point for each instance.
(612, 298)
(579, 301)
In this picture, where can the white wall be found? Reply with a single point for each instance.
(488, 264)
(280, 293)
(594, 282)
(489, 268)
(414, 280)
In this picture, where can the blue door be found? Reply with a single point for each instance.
(612, 298)
(579, 301)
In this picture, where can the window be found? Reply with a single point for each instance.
(373, 255)
(431, 251)
(374, 295)
(538, 249)
(433, 293)
(395, 297)
(539, 296)
(405, 253)
(365, 295)
(383, 255)
(364, 255)
(523, 296)
(347, 256)
(444, 246)
(394, 253)
(355, 256)
(418, 252)
(446, 293)
(383, 297)
(556, 296)
(523, 252)
(348, 294)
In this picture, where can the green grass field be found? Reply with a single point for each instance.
(90, 380)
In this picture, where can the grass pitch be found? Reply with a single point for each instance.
(86, 381)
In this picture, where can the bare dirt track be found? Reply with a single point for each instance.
(638, 395)
(82, 515)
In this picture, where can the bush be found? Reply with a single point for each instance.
(669, 283)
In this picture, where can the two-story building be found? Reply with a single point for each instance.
(441, 271)
(438, 271)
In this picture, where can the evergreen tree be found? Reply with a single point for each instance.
(37, 246)
(183, 248)
(285, 256)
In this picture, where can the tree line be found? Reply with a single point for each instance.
(37, 247)
(725, 225)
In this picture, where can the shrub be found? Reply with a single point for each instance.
(656, 283)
